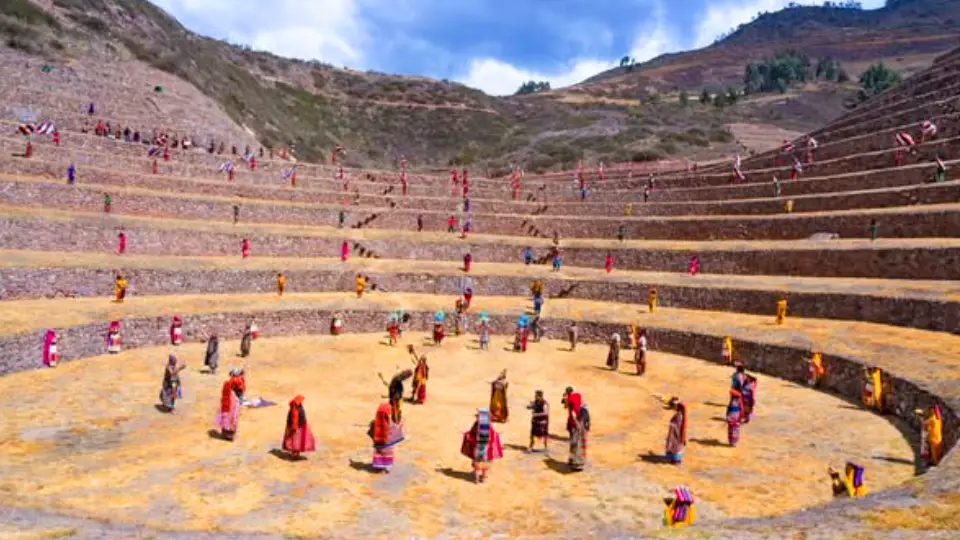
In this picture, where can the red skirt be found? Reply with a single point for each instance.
(299, 441)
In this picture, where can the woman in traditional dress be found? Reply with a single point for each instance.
(539, 420)
(386, 435)
(344, 251)
(297, 437)
(245, 248)
(467, 260)
(211, 358)
(171, 390)
(438, 331)
(613, 353)
(851, 484)
(931, 440)
(739, 377)
(176, 331)
(361, 285)
(395, 392)
(113, 337)
(680, 511)
(120, 288)
(734, 416)
(872, 395)
(336, 324)
(50, 356)
(571, 401)
(484, 332)
(749, 397)
(482, 445)
(640, 356)
(815, 370)
(246, 341)
(499, 411)
(726, 350)
(677, 433)
(578, 439)
(421, 373)
(231, 399)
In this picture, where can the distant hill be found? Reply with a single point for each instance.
(907, 34)
(613, 117)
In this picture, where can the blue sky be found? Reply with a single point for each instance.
(493, 45)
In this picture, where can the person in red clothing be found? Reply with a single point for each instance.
(467, 259)
(28, 151)
(451, 224)
(344, 251)
(56, 137)
(245, 248)
(156, 168)
(297, 437)
(608, 262)
(121, 243)
(572, 401)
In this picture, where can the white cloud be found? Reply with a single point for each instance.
(331, 31)
(655, 38)
(720, 18)
(500, 78)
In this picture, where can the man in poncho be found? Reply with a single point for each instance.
(482, 445)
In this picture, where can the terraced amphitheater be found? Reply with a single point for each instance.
(88, 451)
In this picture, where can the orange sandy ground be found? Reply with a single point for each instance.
(85, 439)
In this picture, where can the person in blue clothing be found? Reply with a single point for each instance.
(556, 261)
(71, 174)
(537, 304)
(527, 255)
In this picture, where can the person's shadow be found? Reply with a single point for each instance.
(709, 442)
(558, 467)
(286, 456)
(215, 434)
(656, 459)
(363, 466)
(458, 475)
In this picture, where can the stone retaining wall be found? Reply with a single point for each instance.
(902, 223)
(100, 235)
(20, 283)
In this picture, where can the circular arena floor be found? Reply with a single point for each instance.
(86, 439)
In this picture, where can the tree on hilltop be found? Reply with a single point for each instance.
(532, 87)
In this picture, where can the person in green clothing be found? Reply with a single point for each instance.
(941, 174)
(107, 201)
(874, 228)
(621, 232)
(343, 218)
(236, 213)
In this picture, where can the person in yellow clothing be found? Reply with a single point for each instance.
(628, 209)
(931, 437)
(120, 288)
(727, 350)
(815, 370)
(872, 395)
(281, 283)
(361, 285)
(652, 300)
(781, 310)
(680, 511)
(851, 484)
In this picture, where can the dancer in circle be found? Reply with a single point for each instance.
(499, 410)
(677, 432)
(481, 444)
(539, 420)
(297, 437)
(171, 389)
(231, 399)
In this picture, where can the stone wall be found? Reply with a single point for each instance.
(20, 283)
(97, 234)
(896, 223)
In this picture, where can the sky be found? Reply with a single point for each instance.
(493, 45)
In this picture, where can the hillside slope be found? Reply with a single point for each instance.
(906, 34)
(311, 106)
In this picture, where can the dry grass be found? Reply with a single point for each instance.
(185, 479)
(941, 514)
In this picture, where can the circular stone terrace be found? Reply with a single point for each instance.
(84, 453)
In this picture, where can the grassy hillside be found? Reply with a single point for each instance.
(312, 106)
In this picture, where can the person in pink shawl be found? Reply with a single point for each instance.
(50, 356)
(482, 445)
(113, 337)
(344, 251)
(176, 331)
